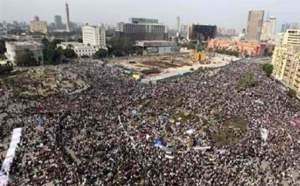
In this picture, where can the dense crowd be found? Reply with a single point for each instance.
(105, 135)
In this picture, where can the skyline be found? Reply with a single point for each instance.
(234, 15)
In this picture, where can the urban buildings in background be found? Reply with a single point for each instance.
(286, 26)
(226, 32)
(58, 22)
(269, 29)
(184, 30)
(202, 33)
(178, 24)
(68, 18)
(141, 29)
(254, 26)
(36, 18)
(94, 36)
(245, 48)
(15, 48)
(93, 39)
(286, 60)
(39, 27)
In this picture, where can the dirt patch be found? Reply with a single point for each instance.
(159, 64)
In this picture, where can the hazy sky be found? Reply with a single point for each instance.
(223, 13)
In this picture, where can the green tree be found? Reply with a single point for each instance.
(139, 52)
(101, 53)
(118, 52)
(45, 42)
(54, 43)
(268, 68)
(26, 58)
(191, 46)
(2, 47)
(246, 80)
(6, 68)
(52, 56)
(292, 93)
(69, 53)
(3, 57)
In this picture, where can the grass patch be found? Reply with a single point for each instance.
(232, 131)
(185, 116)
(246, 80)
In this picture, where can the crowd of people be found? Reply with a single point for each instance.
(105, 135)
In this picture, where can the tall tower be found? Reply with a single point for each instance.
(178, 24)
(68, 17)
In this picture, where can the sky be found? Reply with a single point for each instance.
(223, 13)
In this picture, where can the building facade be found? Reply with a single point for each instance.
(268, 29)
(39, 27)
(141, 29)
(286, 26)
(202, 32)
(254, 26)
(79, 48)
(94, 36)
(255, 49)
(286, 60)
(14, 48)
(58, 22)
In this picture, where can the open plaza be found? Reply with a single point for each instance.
(98, 125)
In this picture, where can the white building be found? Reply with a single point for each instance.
(13, 48)
(38, 27)
(79, 48)
(268, 29)
(94, 36)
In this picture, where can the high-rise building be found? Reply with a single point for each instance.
(141, 29)
(68, 18)
(39, 27)
(184, 29)
(202, 32)
(286, 60)
(94, 36)
(286, 26)
(178, 24)
(58, 22)
(268, 29)
(254, 26)
(36, 18)
(269, 26)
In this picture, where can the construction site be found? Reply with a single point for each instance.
(152, 68)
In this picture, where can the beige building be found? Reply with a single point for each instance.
(268, 29)
(94, 36)
(38, 27)
(79, 48)
(254, 26)
(286, 60)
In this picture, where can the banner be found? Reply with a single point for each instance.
(11, 152)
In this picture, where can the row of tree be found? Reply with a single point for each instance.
(193, 46)
(54, 55)
(228, 52)
(6, 69)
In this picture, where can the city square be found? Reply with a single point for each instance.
(181, 93)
